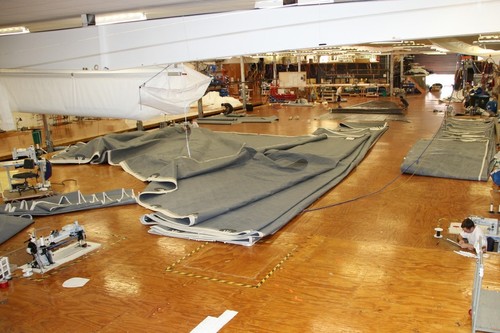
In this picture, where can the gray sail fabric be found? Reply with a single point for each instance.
(461, 149)
(231, 187)
(378, 106)
(11, 225)
(68, 202)
(235, 119)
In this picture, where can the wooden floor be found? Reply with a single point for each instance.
(370, 265)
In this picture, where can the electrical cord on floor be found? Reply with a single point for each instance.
(386, 185)
(64, 181)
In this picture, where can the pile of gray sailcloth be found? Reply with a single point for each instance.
(461, 149)
(11, 225)
(68, 202)
(18, 214)
(229, 187)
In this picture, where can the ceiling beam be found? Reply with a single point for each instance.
(211, 36)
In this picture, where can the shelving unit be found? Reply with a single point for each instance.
(328, 94)
(340, 73)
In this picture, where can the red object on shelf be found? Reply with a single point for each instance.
(273, 92)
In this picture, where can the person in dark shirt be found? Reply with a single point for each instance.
(492, 105)
(228, 108)
(404, 102)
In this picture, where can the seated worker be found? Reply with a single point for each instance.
(492, 106)
(470, 235)
(404, 102)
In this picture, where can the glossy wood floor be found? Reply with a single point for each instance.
(370, 265)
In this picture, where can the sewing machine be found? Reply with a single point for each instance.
(45, 250)
(18, 157)
(29, 152)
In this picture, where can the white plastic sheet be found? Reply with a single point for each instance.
(109, 94)
(173, 89)
(75, 282)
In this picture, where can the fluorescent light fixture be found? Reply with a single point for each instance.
(324, 59)
(439, 49)
(488, 39)
(265, 4)
(434, 53)
(349, 48)
(13, 31)
(388, 42)
(119, 18)
(313, 2)
(411, 46)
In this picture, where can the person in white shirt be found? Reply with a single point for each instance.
(470, 235)
(338, 95)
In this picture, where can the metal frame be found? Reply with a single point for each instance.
(485, 303)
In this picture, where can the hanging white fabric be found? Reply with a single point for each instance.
(174, 89)
(104, 94)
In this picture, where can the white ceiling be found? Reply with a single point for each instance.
(60, 14)
(42, 15)
(65, 14)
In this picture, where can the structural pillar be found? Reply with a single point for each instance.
(243, 86)
(401, 69)
(48, 136)
(200, 108)
(275, 75)
(391, 74)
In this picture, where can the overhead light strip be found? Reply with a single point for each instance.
(388, 42)
(269, 4)
(13, 31)
(489, 39)
(119, 18)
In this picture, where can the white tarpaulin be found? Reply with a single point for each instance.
(172, 90)
(110, 94)
(457, 46)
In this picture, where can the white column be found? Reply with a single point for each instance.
(243, 83)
